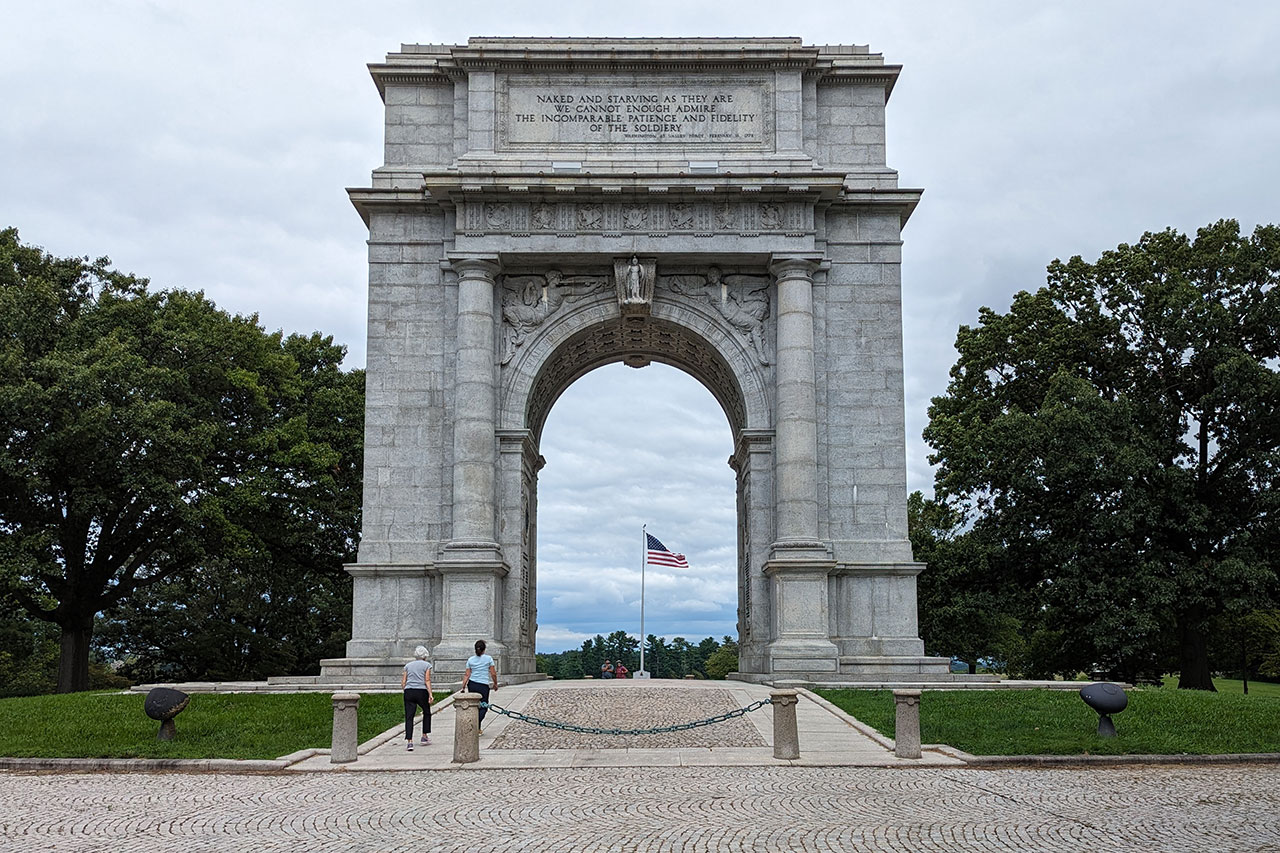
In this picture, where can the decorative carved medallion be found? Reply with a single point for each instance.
(726, 217)
(589, 217)
(544, 217)
(635, 217)
(770, 216)
(497, 214)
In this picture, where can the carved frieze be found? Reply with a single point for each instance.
(747, 217)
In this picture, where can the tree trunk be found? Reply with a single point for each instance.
(73, 665)
(1194, 673)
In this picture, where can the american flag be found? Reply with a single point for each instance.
(660, 556)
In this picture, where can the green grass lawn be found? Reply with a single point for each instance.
(1235, 685)
(1057, 722)
(236, 725)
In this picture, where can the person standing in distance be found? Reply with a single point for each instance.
(481, 677)
(416, 684)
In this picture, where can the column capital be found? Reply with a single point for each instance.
(794, 266)
(475, 266)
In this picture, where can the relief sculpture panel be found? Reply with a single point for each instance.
(529, 300)
(743, 301)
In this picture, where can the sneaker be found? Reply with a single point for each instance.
(409, 745)
(426, 740)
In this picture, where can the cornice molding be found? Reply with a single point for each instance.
(444, 64)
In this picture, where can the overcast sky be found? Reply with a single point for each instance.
(208, 146)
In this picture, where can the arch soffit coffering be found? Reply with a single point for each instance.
(684, 334)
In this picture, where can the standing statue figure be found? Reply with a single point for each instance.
(632, 284)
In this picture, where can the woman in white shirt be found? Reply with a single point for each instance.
(481, 676)
(416, 684)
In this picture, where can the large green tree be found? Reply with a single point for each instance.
(136, 430)
(1117, 432)
(276, 600)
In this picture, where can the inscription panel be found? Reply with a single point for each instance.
(574, 111)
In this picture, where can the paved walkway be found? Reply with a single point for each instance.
(713, 790)
(654, 810)
(828, 737)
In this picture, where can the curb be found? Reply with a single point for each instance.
(144, 765)
(1064, 761)
(1013, 761)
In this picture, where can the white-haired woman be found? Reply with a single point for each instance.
(416, 683)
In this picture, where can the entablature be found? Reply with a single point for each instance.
(655, 205)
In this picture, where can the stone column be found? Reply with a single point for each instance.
(753, 463)
(906, 730)
(518, 466)
(796, 428)
(471, 563)
(475, 401)
(799, 562)
(346, 737)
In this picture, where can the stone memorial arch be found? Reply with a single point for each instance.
(548, 206)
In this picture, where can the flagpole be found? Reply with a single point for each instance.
(644, 561)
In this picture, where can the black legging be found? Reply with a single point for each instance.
(483, 690)
(415, 698)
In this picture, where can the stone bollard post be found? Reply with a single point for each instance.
(346, 737)
(786, 738)
(466, 728)
(906, 729)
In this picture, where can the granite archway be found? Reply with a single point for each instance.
(720, 205)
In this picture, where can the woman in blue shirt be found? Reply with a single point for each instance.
(480, 677)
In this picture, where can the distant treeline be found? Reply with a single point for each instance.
(705, 659)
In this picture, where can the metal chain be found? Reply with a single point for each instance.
(590, 730)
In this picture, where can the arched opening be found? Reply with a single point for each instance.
(624, 448)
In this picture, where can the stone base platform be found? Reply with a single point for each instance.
(337, 671)
(313, 684)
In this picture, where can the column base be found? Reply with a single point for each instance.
(809, 657)
(472, 605)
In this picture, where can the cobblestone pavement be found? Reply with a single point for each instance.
(1208, 808)
(625, 707)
